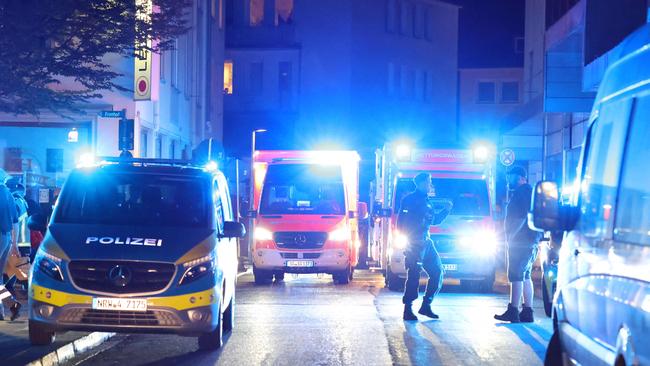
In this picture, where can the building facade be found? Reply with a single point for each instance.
(348, 74)
(185, 107)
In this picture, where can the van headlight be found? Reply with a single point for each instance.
(263, 234)
(341, 234)
(196, 269)
(400, 241)
(49, 264)
(484, 242)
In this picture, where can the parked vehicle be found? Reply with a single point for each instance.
(601, 309)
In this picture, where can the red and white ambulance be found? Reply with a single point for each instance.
(466, 240)
(305, 211)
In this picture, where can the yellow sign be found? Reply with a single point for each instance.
(142, 71)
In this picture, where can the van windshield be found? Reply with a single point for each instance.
(470, 196)
(134, 200)
(303, 189)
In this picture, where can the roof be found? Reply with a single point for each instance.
(150, 166)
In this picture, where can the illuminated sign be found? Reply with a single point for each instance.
(142, 62)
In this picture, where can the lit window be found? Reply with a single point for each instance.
(256, 12)
(227, 77)
(284, 11)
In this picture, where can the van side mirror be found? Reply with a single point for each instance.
(233, 229)
(362, 210)
(545, 207)
(441, 209)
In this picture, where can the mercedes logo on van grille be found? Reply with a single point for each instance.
(300, 239)
(120, 276)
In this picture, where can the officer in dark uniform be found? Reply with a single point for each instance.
(416, 215)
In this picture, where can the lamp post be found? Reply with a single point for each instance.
(251, 196)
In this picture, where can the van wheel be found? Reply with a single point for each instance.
(554, 351)
(343, 277)
(213, 340)
(229, 316)
(394, 282)
(262, 277)
(279, 276)
(40, 335)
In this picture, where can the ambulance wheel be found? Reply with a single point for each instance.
(279, 276)
(262, 277)
(229, 316)
(394, 282)
(343, 277)
(213, 340)
(40, 335)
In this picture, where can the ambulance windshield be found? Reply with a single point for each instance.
(303, 189)
(470, 196)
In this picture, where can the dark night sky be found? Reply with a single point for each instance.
(487, 32)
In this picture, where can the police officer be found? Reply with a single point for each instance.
(521, 247)
(415, 217)
(8, 219)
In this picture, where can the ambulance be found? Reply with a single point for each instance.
(305, 213)
(466, 240)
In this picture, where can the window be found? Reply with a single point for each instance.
(284, 11)
(391, 16)
(510, 92)
(172, 149)
(230, 12)
(159, 147)
(486, 92)
(598, 195)
(633, 211)
(419, 21)
(173, 64)
(227, 77)
(406, 18)
(284, 76)
(218, 207)
(256, 12)
(144, 137)
(255, 78)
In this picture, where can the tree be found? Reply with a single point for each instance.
(43, 42)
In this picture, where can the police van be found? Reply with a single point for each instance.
(138, 245)
(601, 309)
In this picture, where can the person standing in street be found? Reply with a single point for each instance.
(415, 217)
(8, 220)
(522, 246)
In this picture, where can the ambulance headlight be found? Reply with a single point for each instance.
(263, 234)
(49, 265)
(403, 152)
(400, 241)
(196, 269)
(342, 234)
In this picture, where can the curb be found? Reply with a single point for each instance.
(72, 349)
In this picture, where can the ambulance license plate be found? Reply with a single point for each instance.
(300, 263)
(450, 267)
(107, 303)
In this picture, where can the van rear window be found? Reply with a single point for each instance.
(135, 200)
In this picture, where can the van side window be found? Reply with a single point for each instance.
(633, 210)
(225, 199)
(601, 172)
(218, 206)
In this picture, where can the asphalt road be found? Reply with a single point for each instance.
(307, 320)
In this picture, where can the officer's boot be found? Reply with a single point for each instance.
(511, 315)
(425, 310)
(408, 313)
(526, 315)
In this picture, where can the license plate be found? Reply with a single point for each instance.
(300, 263)
(450, 267)
(106, 303)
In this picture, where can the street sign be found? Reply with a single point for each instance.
(507, 157)
(111, 114)
(126, 134)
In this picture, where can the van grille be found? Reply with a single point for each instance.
(121, 277)
(115, 317)
(300, 240)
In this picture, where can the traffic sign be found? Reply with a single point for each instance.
(111, 114)
(507, 157)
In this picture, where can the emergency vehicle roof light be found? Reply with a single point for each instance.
(211, 166)
(86, 160)
(403, 152)
(481, 154)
